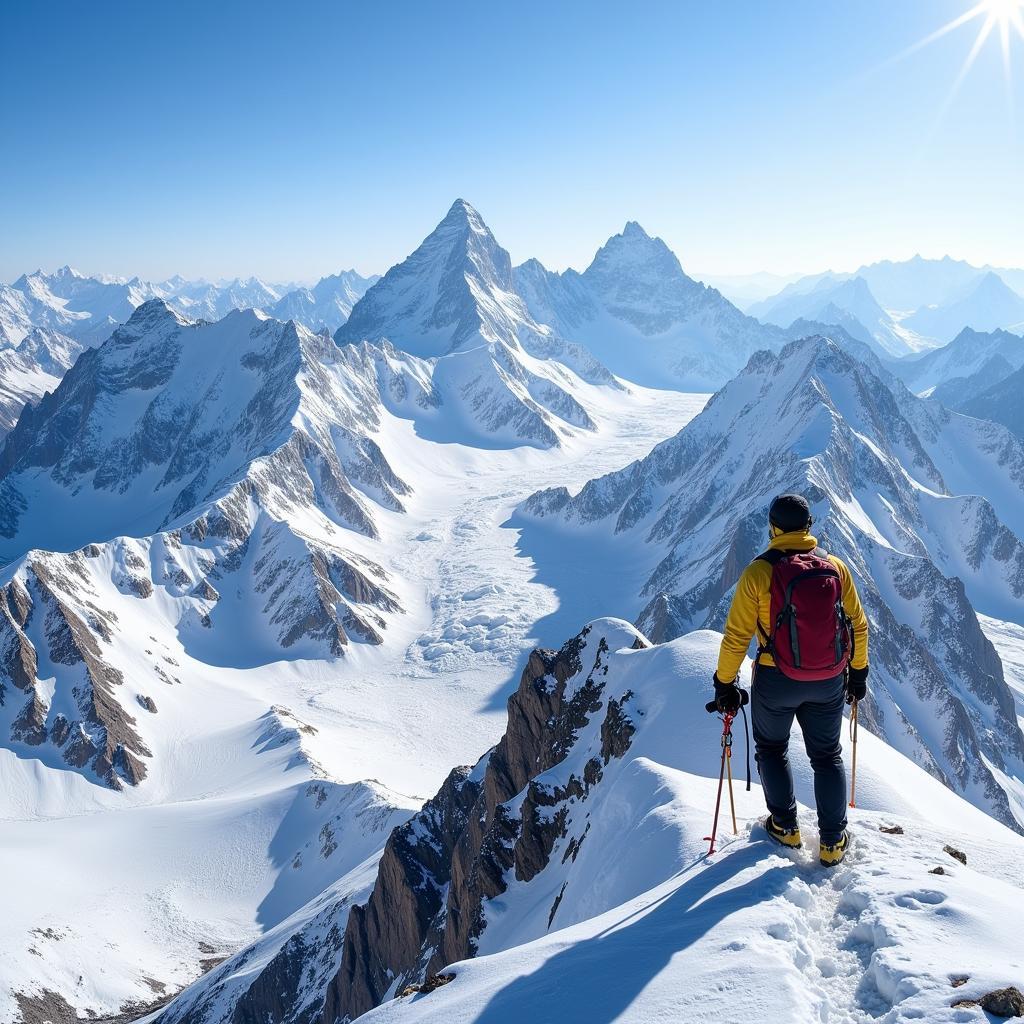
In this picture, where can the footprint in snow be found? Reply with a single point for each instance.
(919, 900)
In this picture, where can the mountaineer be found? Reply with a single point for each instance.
(812, 654)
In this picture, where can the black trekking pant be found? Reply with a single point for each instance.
(818, 707)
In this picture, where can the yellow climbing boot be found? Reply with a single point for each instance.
(831, 854)
(786, 836)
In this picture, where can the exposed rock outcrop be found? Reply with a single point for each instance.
(52, 605)
(438, 872)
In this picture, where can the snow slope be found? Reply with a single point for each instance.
(649, 928)
(757, 934)
(570, 866)
(895, 483)
(121, 904)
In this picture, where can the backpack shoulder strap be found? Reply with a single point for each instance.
(772, 556)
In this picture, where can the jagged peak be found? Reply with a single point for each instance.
(634, 230)
(816, 346)
(151, 315)
(531, 265)
(461, 210)
(634, 245)
(969, 334)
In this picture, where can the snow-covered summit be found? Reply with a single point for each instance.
(643, 317)
(455, 291)
(453, 301)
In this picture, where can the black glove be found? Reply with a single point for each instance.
(728, 697)
(856, 684)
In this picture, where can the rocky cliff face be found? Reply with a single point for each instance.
(438, 872)
(51, 624)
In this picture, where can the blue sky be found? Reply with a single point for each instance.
(290, 140)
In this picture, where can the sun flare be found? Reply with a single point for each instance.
(1005, 17)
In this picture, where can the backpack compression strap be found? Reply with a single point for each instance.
(773, 556)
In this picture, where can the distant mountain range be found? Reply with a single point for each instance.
(905, 306)
(89, 308)
(848, 303)
(987, 304)
(969, 353)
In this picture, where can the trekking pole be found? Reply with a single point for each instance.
(853, 739)
(726, 745)
(728, 769)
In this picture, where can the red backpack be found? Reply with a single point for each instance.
(810, 637)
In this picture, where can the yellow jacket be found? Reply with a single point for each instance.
(751, 604)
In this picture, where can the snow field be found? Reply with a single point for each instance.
(222, 840)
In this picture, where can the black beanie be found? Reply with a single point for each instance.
(790, 512)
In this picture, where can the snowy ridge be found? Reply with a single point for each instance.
(253, 475)
(894, 482)
(178, 413)
(587, 822)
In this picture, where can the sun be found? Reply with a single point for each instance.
(1002, 17)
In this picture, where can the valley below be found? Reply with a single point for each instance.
(227, 836)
